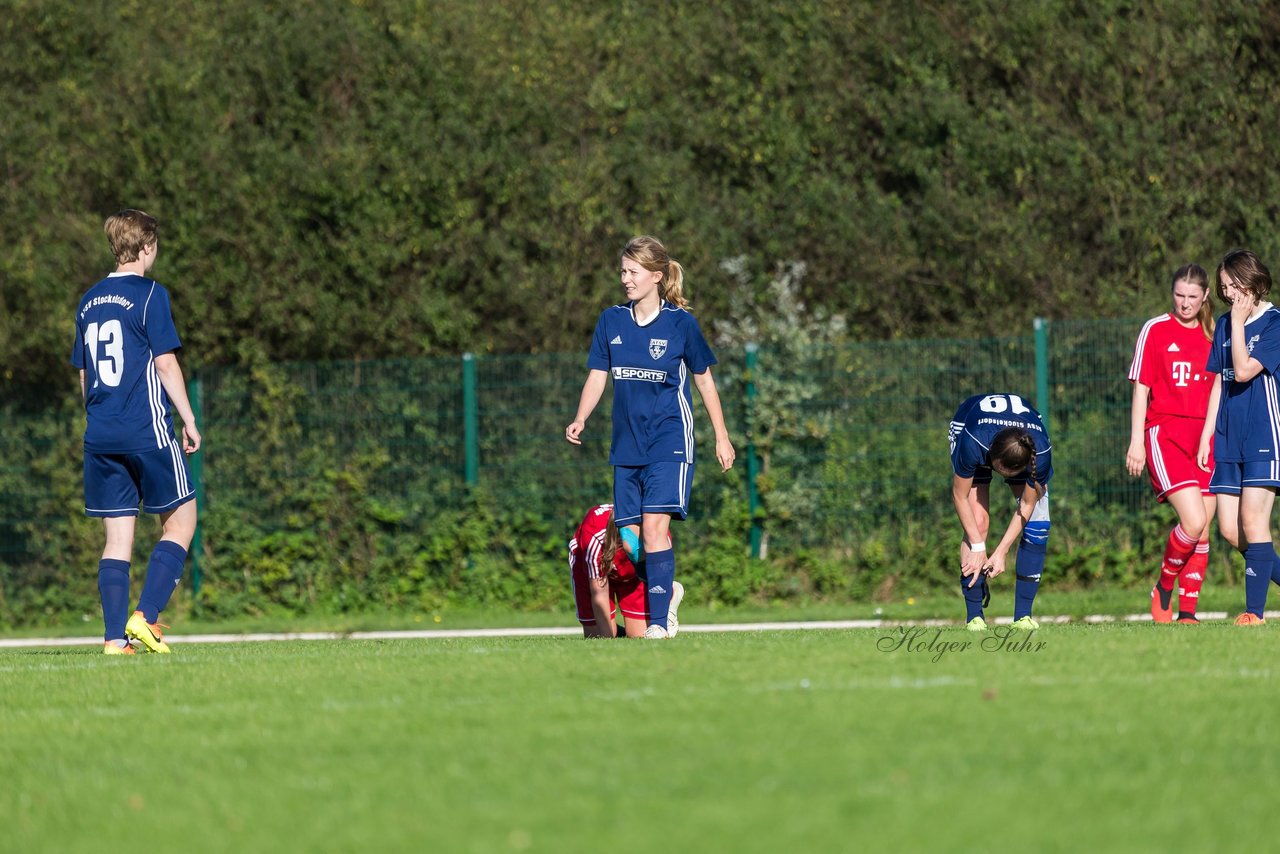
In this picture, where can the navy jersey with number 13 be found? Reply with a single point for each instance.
(122, 324)
(650, 366)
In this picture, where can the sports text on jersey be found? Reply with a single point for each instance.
(1004, 422)
(105, 300)
(645, 374)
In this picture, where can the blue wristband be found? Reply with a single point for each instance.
(630, 544)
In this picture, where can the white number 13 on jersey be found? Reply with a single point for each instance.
(1002, 403)
(109, 365)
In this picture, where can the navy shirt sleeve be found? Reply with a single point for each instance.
(598, 358)
(1214, 364)
(698, 353)
(162, 336)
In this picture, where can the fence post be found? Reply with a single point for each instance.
(194, 393)
(470, 420)
(753, 463)
(1042, 369)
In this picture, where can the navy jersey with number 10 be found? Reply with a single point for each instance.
(650, 366)
(980, 418)
(122, 324)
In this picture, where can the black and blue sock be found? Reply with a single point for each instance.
(974, 597)
(1028, 566)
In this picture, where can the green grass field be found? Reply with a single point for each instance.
(1114, 737)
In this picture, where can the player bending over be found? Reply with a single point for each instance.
(1000, 433)
(599, 582)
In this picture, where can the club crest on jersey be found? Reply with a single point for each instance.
(657, 346)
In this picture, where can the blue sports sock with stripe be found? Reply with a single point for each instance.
(1258, 565)
(163, 574)
(973, 597)
(113, 590)
(1028, 566)
(661, 570)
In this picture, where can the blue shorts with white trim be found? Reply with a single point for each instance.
(1229, 477)
(114, 484)
(655, 488)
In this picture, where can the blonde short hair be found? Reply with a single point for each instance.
(129, 232)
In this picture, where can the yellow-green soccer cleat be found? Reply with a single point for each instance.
(110, 648)
(1024, 624)
(977, 624)
(147, 634)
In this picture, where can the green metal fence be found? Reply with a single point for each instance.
(835, 444)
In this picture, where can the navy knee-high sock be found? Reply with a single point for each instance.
(113, 590)
(1029, 566)
(163, 574)
(974, 597)
(1258, 565)
(661, 570)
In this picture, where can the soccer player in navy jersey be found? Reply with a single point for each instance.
(129, 376)
(1245, 435)
(1000, 433)
(1171, 390)
(652, 347)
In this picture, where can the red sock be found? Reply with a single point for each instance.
(1177, 551)
(1192, 579)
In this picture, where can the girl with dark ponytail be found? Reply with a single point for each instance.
(1000, 433)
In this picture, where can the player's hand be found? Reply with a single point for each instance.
(190, 438)
(1136, 458)
(995, 564)
(1243, 305)
(973, 564)
(1202, 455)
(573, 431)
(725, 453)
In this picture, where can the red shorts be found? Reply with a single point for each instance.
(627, 590)
(1171, 457)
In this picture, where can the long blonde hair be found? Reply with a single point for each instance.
(649, 253)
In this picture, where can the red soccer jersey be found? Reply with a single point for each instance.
(588, 542)
(1170, 359)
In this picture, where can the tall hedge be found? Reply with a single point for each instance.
(392, 177)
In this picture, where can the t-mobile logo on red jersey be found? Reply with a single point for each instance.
(1181, 373)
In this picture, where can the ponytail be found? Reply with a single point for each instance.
(649, 253)
(1012, 452)
(609, 549)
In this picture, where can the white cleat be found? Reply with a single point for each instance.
(673, 622)
(656, 632)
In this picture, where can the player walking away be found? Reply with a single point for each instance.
(651, 345)
(1000, 433)
(1244, 438)
(602, 569)
(129, 377)
(1171, 391)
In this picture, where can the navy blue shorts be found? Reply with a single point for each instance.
(114, 484)
(1229, 477)
(655, 488)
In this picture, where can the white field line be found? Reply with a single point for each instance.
(573, 631)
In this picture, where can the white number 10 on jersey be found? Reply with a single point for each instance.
(109, 367)
(1003, 403)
